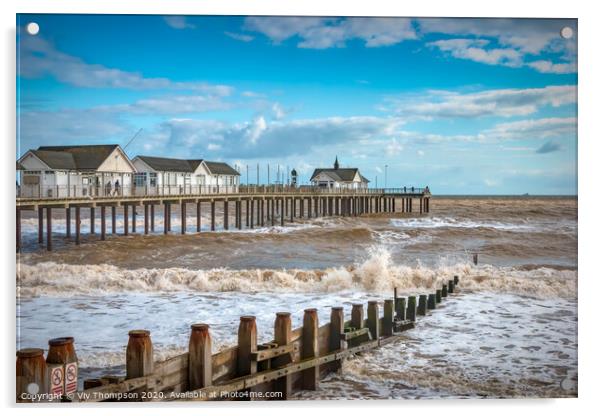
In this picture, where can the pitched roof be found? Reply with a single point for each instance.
(343, 174)
(221, 168)
(164, 164)
(75, 157)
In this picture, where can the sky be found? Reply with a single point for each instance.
(465, 106)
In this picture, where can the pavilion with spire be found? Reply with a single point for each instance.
(337, 177)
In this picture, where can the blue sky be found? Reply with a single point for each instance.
(466, 106)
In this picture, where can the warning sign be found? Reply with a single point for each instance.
(71, 378)
(56, 380)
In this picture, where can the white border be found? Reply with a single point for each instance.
(589, 174)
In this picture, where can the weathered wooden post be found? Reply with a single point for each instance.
(134, 218)
(438, 296)
(247, 345)
(431, 303)
(262, 202)
(139, 360)
(388, 317)
(92, 218)
(282, 205)
(62, 366)
(411, 315)
(198, 216)
(444, 291)
(422, 305)
(450, 286)
(67, 222)
(199, 357)
(456, 280)
(48, 228)
(337, 327)
(77, 225)
(165, 217)
(357, 316)
(283, 336)
(226, 214)
(293, 209)
(251, 214)
(400, 308)
(373, 320)
(32, 373)
(272, 212)
(309, 348)
(40, 225)
(145, 219)
(103, 223)
(126, 226)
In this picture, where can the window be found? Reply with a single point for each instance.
(31, 172)
(153, 179)
(140, 179)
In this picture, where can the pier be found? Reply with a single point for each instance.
(295, 360)
(251, 206)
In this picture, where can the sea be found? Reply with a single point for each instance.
(510, 331)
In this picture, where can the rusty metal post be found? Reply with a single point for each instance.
(32, 373)
(309, 348)
(139, 361)
(388, 317)
(373, 320)
(357, 316)
(283, 336)
(411, 312)
(200, 371)
(62, 366)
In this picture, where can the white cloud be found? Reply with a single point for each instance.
(474, 50)
(500, 103)
(321, 33)
(278, 111)
(179, 104)
(178, 22)
(39, 58)
(240, 36)
(256, 129)
(393, 148)
(542, 128)
(548, 67)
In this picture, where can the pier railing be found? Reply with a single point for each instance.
(295, 360)
(74, 191)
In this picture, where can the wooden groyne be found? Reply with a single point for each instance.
(295, 360)
(255, 209)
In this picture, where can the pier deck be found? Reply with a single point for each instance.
(258, 206)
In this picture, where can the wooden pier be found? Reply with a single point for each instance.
(258, 207)
(295, 360)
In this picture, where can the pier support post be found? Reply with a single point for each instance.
(78, 225)
(48, 228)
(431, 302)
(200, 370)
(183, 218)
(400, 308)
(152, 218)
(165, 217)
(226, 215)
(373, 320)
(293, 209)
(262, 203)
(139, 360)
(272, 216)
(92, 218)
(31, 368)
(247, 213)
(309, 348)
(113, 220)
(388, 317)
(282, 203)
(247, 345)
(422, 305)
(125, 220)
(212, 215)
(134, 219)
(337, 327)
(411, 313)
(68, 222)
(145, 219)
(198, 216)
(103, 223)
(251, 214)
(40, 225)
(283, 336)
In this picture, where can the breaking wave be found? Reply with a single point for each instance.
(378, 274)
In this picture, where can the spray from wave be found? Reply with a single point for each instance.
(377, 273)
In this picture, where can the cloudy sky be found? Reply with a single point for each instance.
(466, 106)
